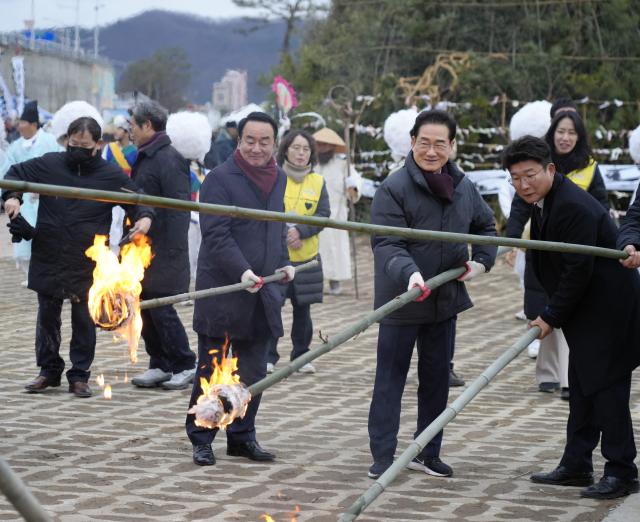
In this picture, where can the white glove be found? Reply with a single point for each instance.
(473, 269)
(417, 280)
(289, 272)
(248, 275)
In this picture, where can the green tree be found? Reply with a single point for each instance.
(164, 76)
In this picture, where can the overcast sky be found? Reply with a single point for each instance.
(63, 12)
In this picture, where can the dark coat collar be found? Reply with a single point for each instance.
(417, 176)
(160, 142)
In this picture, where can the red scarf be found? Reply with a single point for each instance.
(441, 184)
(263, 177)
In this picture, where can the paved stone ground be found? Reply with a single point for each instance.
(128, 459)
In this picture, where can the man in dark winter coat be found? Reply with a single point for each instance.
(59, 268)
(629, 236)
(235, 250)
(160, 170)
(429, 192)
(596, 303)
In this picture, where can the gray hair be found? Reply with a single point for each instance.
(152, 112)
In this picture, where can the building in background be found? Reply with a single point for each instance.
(230, 93)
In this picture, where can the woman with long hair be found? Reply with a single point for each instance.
(306, 194)
(571, 154)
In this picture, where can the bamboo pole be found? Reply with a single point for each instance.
(266, 215)
(220, 290)
(19, 495)
(352, 330)
(437, 425)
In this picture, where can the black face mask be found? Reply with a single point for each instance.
(79, 155)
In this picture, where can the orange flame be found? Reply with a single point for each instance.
(114, 297)
(294, 517)
(107, 392)
(224, 398)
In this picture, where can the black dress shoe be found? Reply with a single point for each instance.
(41, 383)
(250, 449)
(611, 487)
(454, 380)
(203, 455)
(80, 389)
(562, 476)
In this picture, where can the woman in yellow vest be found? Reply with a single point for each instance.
(571, 154)
(306, 195)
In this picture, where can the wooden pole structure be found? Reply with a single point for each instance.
(266, 215)
(414, 449)
(352, 330)
(19, 495)
(220, 290)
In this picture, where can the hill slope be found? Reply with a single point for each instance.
(212, 46)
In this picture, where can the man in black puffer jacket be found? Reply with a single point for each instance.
(59, 268)
(160, 170)
(429, 193)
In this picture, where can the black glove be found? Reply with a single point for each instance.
(20, 229)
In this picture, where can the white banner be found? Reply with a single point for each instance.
(6, 99)
(18, 79)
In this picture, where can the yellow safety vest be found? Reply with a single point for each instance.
(583, 177)
(302, 199)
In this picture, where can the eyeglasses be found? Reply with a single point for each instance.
(516, 182)
(438, 146)
(300, 148)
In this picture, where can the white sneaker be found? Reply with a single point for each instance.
(520, 315)
(181, 380)
(307, 368)
(270, 367)
(533, 348)
(151, 378)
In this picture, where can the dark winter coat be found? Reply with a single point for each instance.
(629, 233)
(404, 199)
(595, 300)
(66, 227)
(535, 298)
(160, 170)
(232, 245)
(308, 285)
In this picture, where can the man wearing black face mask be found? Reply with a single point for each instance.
(59, 268)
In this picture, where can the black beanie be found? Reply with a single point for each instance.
(30, 112)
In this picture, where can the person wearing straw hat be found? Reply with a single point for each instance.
(342, 187)
(596, 303)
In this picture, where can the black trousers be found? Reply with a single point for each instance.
(395, 348)
(252, 364)
(301, 330)
(603, 416)
(165, 338)
(82, 347)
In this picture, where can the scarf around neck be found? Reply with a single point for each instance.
(294, 172)
(263, 177)
(440, 183)
(152, 140)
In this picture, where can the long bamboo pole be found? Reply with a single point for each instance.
(352, 330)
(220, 290)
(266, 215)
(19, 495)
(437, 425)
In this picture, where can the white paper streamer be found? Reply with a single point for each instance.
(18, 79)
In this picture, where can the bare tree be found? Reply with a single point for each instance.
(289, 11)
